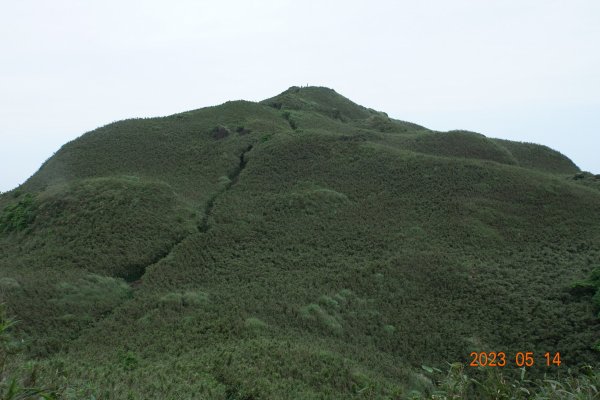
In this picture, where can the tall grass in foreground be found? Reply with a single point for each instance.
(12, 388)
(492, 384)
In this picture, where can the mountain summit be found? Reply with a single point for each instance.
(299, 247)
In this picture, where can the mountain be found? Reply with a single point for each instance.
(299, 247)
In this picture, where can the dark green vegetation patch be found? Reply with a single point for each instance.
(18, 215)
(298, 248)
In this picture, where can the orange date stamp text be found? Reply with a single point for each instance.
(520, 359)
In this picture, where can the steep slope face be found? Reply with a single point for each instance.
(285, 250)
(188, 150)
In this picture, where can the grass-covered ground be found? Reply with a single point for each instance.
(301, 247)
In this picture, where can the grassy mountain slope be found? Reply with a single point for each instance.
(539, 157)
(301, 247)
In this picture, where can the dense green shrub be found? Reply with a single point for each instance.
(219, 132)
(242, 130)
(18, 216)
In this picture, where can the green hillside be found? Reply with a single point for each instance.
(303, 247)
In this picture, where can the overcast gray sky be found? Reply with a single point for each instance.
(522, 70)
